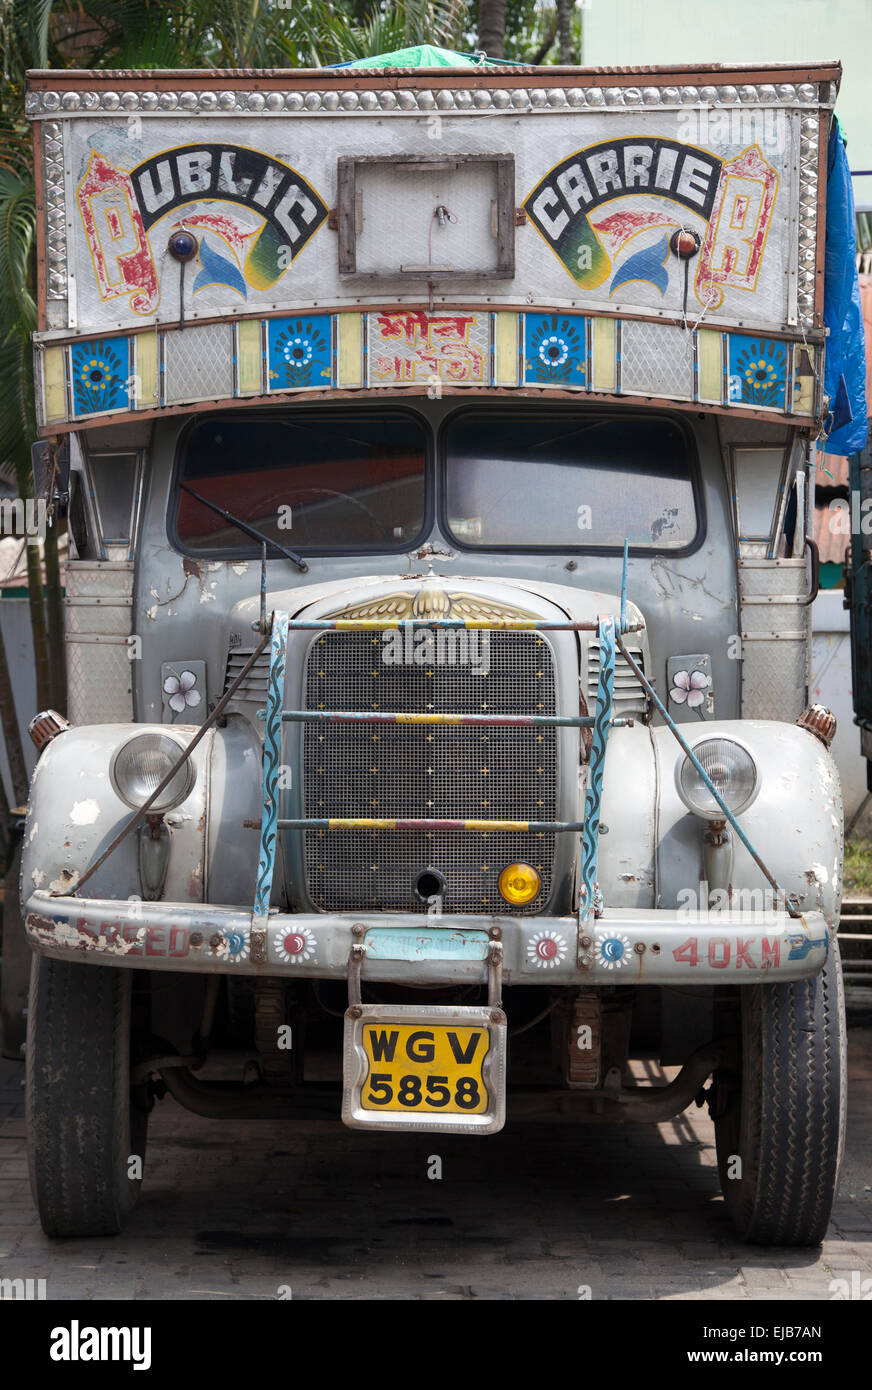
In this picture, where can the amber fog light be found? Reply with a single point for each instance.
(519, 883)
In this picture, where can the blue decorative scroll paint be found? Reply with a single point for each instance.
(272, 756)
(602, 718)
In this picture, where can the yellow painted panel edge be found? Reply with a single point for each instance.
(506, 349)
(803, 386)
(145, 374)
(54, 389)
(710, 362)
(249, 357)
(349, 353)
(604, 354)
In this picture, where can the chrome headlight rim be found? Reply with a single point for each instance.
(716, 814)
(187, 770)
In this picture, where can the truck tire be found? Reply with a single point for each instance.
(784, 1118)
(16, 964)
(82, 1127)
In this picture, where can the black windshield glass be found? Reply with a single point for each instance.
(319, 480)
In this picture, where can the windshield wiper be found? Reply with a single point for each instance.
(249, 530)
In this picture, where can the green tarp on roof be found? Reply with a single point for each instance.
(420, 55)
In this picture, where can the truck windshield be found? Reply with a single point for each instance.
(320, 480)
(531, 480)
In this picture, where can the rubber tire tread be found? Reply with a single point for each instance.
(81, 1129)
(789, 1120)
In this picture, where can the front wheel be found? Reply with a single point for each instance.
(86, 1130)
(16, 965)
(780, 1121)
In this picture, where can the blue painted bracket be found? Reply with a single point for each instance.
(272, 756)
(589, 895)
(624, 587)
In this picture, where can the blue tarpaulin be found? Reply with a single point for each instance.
(845, 372)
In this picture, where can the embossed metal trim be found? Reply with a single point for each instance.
(431, 601)
(463, 100)
(808, 211)
(55, 209)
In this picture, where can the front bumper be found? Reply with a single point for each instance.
(630, 946)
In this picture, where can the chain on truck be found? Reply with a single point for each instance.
(438, 450)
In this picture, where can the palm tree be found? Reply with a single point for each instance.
(564, 30)
(492, 27)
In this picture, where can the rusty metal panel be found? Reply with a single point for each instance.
(583, 1055)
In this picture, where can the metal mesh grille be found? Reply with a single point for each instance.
(775, 647)
(199, 363)
(91, 616)
(656, 359)
(410, 771)
(99, 579)
(98, 617)
(99, 680)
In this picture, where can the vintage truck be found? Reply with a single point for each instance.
(440, 473)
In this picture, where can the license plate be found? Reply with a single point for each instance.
(407, 1067)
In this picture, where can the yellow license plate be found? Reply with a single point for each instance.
(425, 1068)
(435, 1070)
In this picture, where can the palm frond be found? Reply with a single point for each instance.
(17, 419)
(37, 16)
(17, 231)
(434, 21)
(320, 35)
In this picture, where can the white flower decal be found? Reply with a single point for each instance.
(298, 352)
(235, 946)
(546, 949)
(689, 686)
(182, 691)
(294, 946)
(613, 952)
(553, 351)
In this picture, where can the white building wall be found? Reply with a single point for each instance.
(627, 32)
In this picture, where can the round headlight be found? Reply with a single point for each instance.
(732, 770)
(142, 763)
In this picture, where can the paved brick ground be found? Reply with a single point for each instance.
(259, 1210)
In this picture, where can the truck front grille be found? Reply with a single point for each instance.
(398, 771)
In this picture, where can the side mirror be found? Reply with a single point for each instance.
(45, 454)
